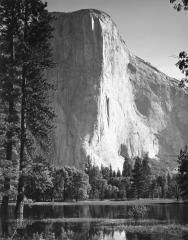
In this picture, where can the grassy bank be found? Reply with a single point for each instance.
(112, 202)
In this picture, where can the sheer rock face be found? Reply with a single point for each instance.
(109, 101)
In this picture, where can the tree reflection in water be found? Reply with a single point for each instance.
(85, 231)
(90, 231)
(4, 223)
(86, 222)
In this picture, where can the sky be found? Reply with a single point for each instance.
(152, 29)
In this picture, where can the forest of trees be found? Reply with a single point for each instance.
(46, 183)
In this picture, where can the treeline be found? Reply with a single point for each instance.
(46, 183)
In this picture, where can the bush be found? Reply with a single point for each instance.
(138, 211)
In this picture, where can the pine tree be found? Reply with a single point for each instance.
(146, 175)
(127, 167)
(114, 173)
(118, 173)
(111, 171)
(34, 57)
(9, 91)
(138, 180)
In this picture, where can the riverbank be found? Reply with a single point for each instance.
(111, 202)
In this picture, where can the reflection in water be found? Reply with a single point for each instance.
(4, 224)
(93, 231)
(74, 223)
(76, 231)
(172, 213)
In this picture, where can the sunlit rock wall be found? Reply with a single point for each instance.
(109, 101)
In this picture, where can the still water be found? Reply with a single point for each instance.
(101, 222)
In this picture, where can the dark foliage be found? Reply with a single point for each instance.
(180, 4)
(138, 178)
(183, 173)
(127, 167)
(45, 183)
(182, 64)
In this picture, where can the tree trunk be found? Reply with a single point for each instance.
(5, 200)
(20, 197)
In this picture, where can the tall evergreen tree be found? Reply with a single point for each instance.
(111, 171)
(34, 57)
(118, 173)
(146, 175)
(114, 174)
(127, 167)
(138, 180)
(9, 90)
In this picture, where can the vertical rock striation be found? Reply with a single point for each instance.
(109, 101)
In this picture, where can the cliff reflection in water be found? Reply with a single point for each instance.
(92, 231)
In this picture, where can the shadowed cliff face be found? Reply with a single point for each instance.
(109, 101)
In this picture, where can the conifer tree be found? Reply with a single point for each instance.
(118, 173)
(114, 174)
(111, 171)
(35, 56)
(146, 175)
(138, 180)
(127, 167)
(9, 92)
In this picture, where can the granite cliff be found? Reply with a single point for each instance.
(109, 101)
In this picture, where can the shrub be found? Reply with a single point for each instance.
(138, 211)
